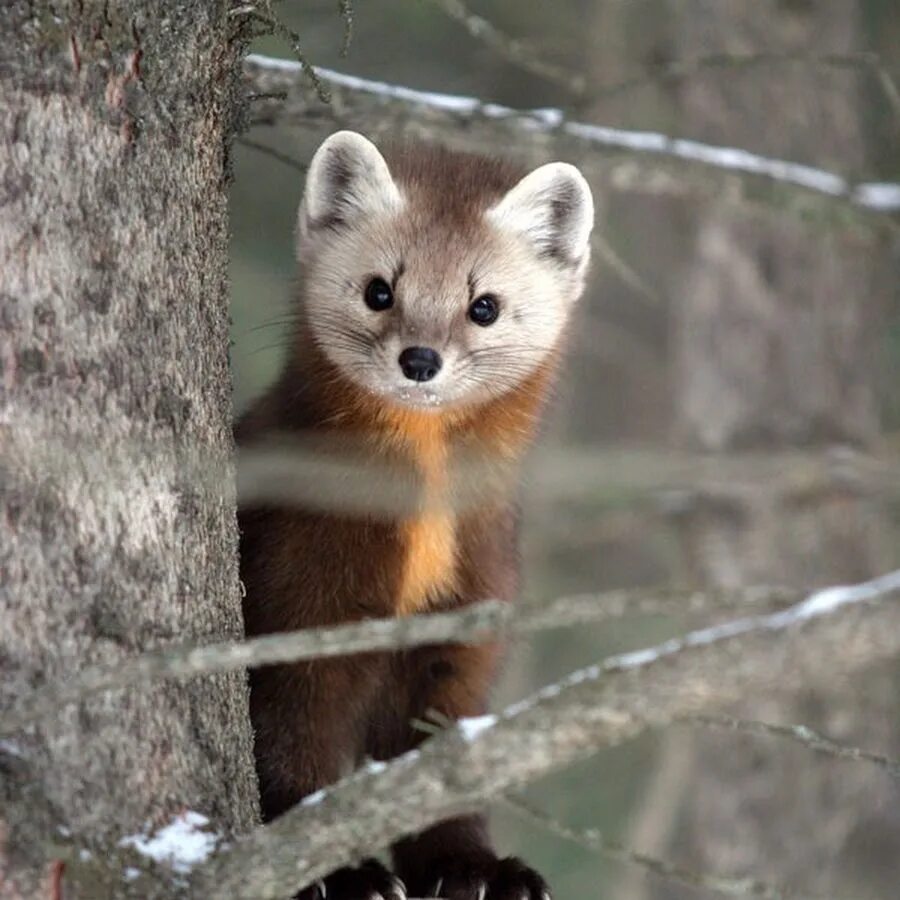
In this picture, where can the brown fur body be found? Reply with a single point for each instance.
(316, 721)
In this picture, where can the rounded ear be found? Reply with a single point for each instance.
(553, 207)
(347, 178)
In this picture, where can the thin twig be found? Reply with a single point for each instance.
(679, 69)
(592, 839)
(624, 270)
(345, 10)
(272, 21)
(274, 153)
(801, 734)
(509, 48)
(889, 86)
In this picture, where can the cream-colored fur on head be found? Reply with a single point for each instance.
(552, 207)
(347, 178)
(442, 229)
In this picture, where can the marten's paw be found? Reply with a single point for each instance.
(371, 881)
(500, 879)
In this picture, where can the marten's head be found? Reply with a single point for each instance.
(439, 279)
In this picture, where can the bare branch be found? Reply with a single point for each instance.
(473, 624)
(592, 839)
(321, 477)
(372, 101)
(602, 705)
(518, 53)
(284, 158)
(624, 270)
(889, 86)
(318, 474)
(509, 48)
(679, 69)
(803, 735)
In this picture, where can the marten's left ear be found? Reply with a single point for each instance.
(553, 207)
(347, 181)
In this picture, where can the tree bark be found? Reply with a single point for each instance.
(113, 308)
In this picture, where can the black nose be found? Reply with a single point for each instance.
(420, 363)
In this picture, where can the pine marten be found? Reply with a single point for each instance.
(436, 291)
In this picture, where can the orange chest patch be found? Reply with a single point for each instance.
(429, 561)
(428, 538)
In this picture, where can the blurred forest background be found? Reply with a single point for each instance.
(733, 386)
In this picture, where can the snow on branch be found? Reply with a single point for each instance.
(479, 622)
(267, 75)
(600, 706)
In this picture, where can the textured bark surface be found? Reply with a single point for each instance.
(113, 345)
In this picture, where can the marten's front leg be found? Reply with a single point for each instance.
(309, 721)
(453, 859)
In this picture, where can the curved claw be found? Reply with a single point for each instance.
(497, 879)
(398, 889)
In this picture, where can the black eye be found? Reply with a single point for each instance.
(484, 310)
(378, 295)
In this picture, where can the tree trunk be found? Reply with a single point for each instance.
(115, 393)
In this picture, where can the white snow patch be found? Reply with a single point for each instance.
(314, 798)
(880, 195)
(472, 727)
(11, 748)
(131, 873)
(818, 604)
(181, 844)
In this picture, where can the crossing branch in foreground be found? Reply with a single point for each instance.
(473, 624)
(822, 638)
(601, 706)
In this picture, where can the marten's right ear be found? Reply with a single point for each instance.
(347, 178)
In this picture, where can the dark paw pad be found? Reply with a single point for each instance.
(370, 881)
(501, 879)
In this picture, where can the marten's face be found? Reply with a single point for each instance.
(433, 301)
